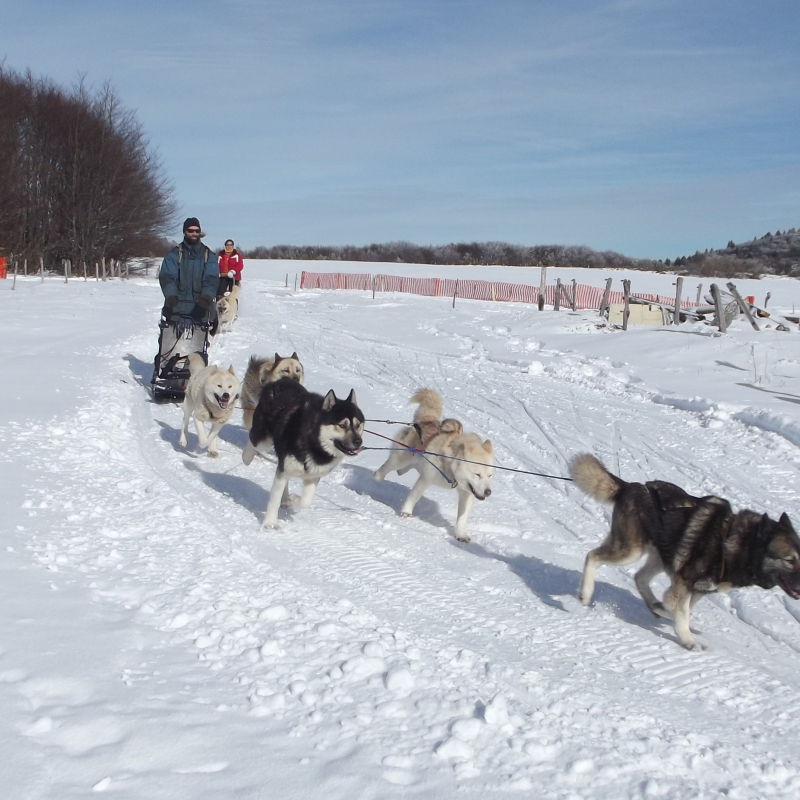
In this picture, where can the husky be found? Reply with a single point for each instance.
(228, 310)
(311, 434)
(261, 371)
(461, 461)
(699, 542)
(211, 396)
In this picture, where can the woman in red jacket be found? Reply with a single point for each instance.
(230, 267)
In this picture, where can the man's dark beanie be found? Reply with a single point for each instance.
(192, 222)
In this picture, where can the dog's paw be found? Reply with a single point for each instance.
(269, 526)
(660, 611)
(212, 453)
(182, 440)
(463, 538)
(376, 476)
(405, 514)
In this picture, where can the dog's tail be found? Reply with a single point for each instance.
(429, 405)
(196, 363)
(594, 479)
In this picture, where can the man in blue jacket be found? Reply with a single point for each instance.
(189, 277)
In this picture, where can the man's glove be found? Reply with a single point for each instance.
(199, 314)
(231, 274)
(183, 324)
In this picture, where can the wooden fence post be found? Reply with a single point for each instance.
(766, 299)
(104, 267)
(557, 303)
(14, 284)
(742, 305)
(542, 285)
(287, 280)
(626, 288)
(574, 294)
(676, 320)
(718, 305)
(85, 276)
(41, 266)
(699, 292)
(96, 271)
(606, 293)
(373, 287)
(295, 281)
(455, 294)
(25, 268)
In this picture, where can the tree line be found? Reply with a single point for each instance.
(78, 178)
(459, 254)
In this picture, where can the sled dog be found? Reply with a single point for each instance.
(228, 310)
(701, 544)
(261, 371)
(463, 462)
(211, 396)
(311, 434)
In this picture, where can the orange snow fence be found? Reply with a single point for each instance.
(587, 296)
(2, 268)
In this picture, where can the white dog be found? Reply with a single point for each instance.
(462, 461)
(211, 396)
(228, 310)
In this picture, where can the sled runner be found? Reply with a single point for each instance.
(178, 336)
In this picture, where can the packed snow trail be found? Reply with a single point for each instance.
(441, 668)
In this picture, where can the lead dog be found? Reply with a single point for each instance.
(701, 544)
(260, 372)
(462, 461)
(228, 310)
(311, 434)
(211, 396)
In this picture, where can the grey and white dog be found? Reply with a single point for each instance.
(699, 542)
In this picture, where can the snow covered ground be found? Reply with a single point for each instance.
(156, 643)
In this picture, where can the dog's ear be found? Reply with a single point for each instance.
(487, 446)
(785, 522)
(351, 398)
(277, 359)
(328, 402)
(230, 369)
(295, 356)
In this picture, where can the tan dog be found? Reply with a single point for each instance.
(462, 461)
(211, 396)
(228, 310)
(260, 372)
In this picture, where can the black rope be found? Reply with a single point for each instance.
(419, 451)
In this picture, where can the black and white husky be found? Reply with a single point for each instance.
(311, 434)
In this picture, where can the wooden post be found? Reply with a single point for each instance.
(455, 294)
(766, 299)
(745, 308)
(295, 281)
(557, 304)
(699, 292)
(606, 293)
(96, 271)
(676, 320)
(25, 268)
(626, 288)
(41, 266)
(542, 284)
(104, 267)
(127, 273)
(14, 284)
(574, 294)
(718, 306)
(85, 276)
(373, 287)
(287, 280)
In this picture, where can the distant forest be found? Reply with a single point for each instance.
(773, 254)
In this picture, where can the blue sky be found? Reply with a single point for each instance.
(647, 127)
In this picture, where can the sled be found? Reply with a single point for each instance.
(171, 366)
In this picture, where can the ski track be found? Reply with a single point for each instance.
(349, 625)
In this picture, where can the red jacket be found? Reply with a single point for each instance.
(234, 262)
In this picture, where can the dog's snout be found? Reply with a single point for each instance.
(487, 493)
(226, 396)
(357, 441)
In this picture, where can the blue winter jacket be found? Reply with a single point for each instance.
(187, 272)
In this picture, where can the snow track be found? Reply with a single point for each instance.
(452, 667)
